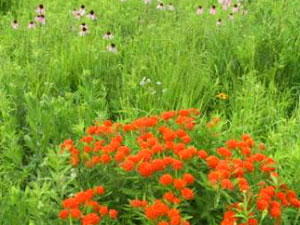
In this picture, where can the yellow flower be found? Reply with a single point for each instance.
(222, 96)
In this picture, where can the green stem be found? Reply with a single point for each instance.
(70, 220)
(297, 217)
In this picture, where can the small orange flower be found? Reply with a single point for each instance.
(166, 179)
(179, 184)
(103, 210)
(113, 213)
(64, 214)
(187, 193)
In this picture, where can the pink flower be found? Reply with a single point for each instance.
(76, 14)
(92, 15)
(15, 25)
(40, 9)
(226, 4)
(235, 8)
(199, 10)
(212, 10)
(231, 16)
(112, 48)
(31, 25)
(40, 19)
(83, 25)
(225, 7)
(219, 22)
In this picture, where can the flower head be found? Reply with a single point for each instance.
(171, 7)
(82, 10)
(92, 15)
(83, 32)
(40, 9)
(15, 25)
(31, 25)
(160, 6)
(199, 10)
(40, 19)
(112, 48)
(235, 8)
(213, 10)
(108, 35)
(222, 95)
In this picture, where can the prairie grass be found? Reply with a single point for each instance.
(54, 83)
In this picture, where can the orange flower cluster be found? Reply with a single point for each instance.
(163, 211)
(163, 214)
(239, 162)
(105, 143)
(83, 202)
(161, 147)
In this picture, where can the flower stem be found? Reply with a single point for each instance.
(297, 217)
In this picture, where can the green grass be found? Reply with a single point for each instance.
(53, 84)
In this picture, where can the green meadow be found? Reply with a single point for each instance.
(54, 83)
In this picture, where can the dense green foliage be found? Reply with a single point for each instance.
(54, 83)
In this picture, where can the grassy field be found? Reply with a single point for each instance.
(55, 83)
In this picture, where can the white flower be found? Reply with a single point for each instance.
(15, 25)
(147, 1)
(73, 173)
(83, 25)
(171, 7)
(160, 6)
(92, 15)
(164, 90)
(74, 12)
(143, 81)
(108, 36)
(82, 10)
(158, 83)
(83, 32)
